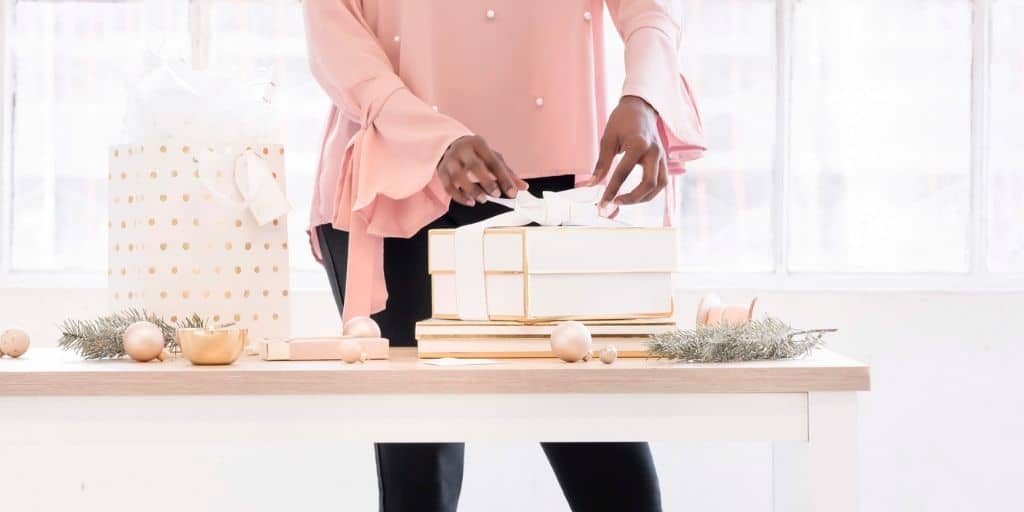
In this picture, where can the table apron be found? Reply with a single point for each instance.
(406, 418)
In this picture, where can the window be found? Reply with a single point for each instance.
(1005, 215)
(880, 127)
(874, 138)
(72, 62)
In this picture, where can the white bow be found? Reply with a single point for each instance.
(255, 183)
(575, 207)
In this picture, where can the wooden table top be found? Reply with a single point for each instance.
(51, 372)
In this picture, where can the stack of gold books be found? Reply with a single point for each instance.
(500, 339)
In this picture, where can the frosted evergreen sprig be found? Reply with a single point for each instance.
(758, 340)
(101, 338)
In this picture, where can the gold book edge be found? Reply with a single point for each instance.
(546, 319)
(426, 354)
(506, 323)
(526, 337)
(522, 229)
(558, 272)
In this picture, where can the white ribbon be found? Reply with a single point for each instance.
(575, 207)
(255, 183)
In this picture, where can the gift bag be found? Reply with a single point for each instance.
(183, 239)
(198, 211)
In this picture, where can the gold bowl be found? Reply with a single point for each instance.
(205, 346)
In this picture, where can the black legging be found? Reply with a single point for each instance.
(427, 477)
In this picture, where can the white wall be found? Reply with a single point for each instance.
(939, 432)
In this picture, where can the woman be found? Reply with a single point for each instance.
(438, 105)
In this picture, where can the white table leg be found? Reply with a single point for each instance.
(790, 491)
(821, 474)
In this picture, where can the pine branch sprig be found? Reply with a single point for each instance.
(758, 340)
(102, 338)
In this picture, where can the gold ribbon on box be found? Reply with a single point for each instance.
(253, 181)
(574, 207)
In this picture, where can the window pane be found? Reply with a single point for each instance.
(254, 38)
(72, 63)
(728, 55)
(1006, 162)
(881, 136)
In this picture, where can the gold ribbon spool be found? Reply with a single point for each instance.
(710, 311)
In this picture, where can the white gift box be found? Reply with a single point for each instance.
(546, 273)
(183, 240)
(319, 349)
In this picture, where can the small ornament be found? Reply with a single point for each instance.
(143, 341)
(352, 351)
(609, 354)
(13, 342)
(361, 327)
(571, 341)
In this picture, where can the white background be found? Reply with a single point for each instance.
(865, 173)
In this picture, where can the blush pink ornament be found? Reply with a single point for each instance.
(571, 341)
(361, 327)
(352, 351)
(143, 341)
(14, 342)
(609, 354)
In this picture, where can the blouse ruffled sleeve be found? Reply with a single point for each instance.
(651, 32)
(387, 186)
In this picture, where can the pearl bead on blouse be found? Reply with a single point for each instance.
(490, 14)
(434, 107)
(397, 38)
(587, 16)
(539, 101)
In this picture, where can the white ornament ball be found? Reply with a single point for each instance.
(143, 341)
(609, 354)
(351, 351)
(361, 327)
(571, 341)
(14, 342)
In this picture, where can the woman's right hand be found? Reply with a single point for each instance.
(470, 171)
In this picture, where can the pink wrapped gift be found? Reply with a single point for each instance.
(319, 349)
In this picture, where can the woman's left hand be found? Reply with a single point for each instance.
(632, 129)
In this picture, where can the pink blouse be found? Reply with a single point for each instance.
(408, 77)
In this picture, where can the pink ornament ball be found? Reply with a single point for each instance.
(571, 341)
(352, 351)
(361, 327)
(143, 341)
(14, 342)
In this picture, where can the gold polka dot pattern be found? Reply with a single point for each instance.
(174, 247)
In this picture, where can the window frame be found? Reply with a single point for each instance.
(977, 278)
